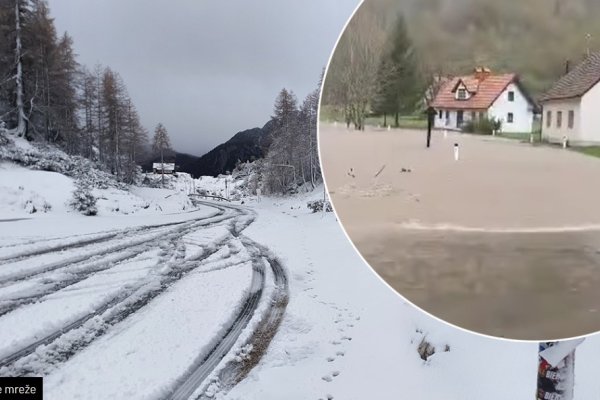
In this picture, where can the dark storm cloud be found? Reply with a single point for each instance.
(206, 69)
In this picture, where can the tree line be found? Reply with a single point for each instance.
(292, 160)
(389, 45)
(375, 69)
(45, 94)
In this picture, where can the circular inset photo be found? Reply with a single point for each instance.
(460, 145)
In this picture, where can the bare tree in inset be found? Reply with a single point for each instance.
(351, 82)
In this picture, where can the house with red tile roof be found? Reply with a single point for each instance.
(571, 108)
(484, 95)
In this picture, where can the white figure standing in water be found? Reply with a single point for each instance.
(456, 155)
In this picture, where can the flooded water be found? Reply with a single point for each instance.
(516, 285)
(503, 242)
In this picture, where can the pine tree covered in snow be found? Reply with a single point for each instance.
(46, 96)
(292, 161)
(83, 200)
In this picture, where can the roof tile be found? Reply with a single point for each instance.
(484, 93)
(577, 82)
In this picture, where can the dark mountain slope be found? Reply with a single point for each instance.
(244, 146)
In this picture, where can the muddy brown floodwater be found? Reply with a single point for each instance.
(504, 242)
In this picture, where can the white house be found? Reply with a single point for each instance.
(168, 168)
(484, 95)
(571, 108)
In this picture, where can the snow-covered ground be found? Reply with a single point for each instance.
(157, 301)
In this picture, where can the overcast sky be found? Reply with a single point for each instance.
(206, 69)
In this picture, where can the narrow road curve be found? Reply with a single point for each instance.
(206, 364)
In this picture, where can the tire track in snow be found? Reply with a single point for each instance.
(116, 309)
(103, 251)
(62, 344)
(100, 238)
(206, 364)
(79, 271)
(97, 237)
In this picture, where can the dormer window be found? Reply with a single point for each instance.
(461, 94)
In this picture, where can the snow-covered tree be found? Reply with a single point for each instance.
(46, 95)
(161, 144)
(83, 200)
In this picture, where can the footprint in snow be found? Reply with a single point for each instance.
(329, 377)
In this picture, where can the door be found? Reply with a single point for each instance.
(460, 118)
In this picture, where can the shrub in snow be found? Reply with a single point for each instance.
(317, 206)
(83, 200)
(425, 349)
(34, 203)
(49, 158)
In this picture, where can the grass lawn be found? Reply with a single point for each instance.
(406, 122)
(330, 114)
(523, 136)
(593, 151)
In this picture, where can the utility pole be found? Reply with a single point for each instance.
(556, 370)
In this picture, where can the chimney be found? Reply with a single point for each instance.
(482, 73)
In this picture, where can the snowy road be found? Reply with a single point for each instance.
(74, 304)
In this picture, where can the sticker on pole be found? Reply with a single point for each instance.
(556, 370)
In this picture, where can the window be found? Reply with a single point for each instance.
(460, 118)
(511, 118)
(559, 119)
(481, 115)
(441, 114)
(447, 114)
(473, 115)
(571, 119)
(548, 119)
(511, 96)
(462, 94)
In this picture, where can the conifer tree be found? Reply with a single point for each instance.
(400, 87)
(161, 144)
